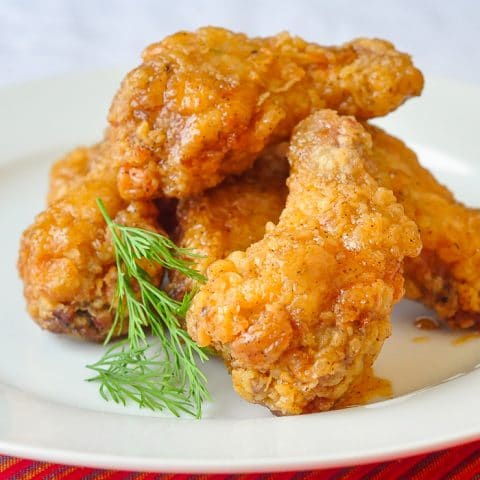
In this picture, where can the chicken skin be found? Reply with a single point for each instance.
(446, 276)
(203, 104)
(66, 257)
(232, 215)
(302, 313)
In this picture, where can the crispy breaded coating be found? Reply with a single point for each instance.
(203, 104)
(446, 276)
(66, 256)
(70, 170)
(232, 215)
(300, 314)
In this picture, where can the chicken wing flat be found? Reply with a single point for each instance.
(232, 215)
(446, 276)
(66, 257)
(203, 104)
(300, 314)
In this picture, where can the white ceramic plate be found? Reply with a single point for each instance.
(48, 412)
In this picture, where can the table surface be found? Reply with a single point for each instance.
(459, 463)
(40, 39)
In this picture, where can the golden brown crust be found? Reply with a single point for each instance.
(66, 258)
(203, 104)
(446, 276)
(301, 313)
(232, 215)
(68, 171)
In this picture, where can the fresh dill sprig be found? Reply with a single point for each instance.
(171, 379)
(125, 375)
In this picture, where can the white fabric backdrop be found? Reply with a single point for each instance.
(39, 38)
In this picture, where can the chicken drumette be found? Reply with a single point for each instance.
(300, 314)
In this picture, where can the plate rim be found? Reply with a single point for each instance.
(243, 465)
(222, 465)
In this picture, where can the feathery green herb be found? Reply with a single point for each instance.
(160, 375)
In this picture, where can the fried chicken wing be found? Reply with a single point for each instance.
(232, 215)
(300, 314)
(203, 104)
(66, 257)
(446, 276)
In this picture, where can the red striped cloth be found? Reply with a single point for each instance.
(459, 463)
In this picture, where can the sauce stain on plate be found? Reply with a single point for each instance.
(426, 323)
(421, 339)
(467, 337)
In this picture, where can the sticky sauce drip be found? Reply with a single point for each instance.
(426, 323)
(465, 338)
(368, 388)
(421, 339)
